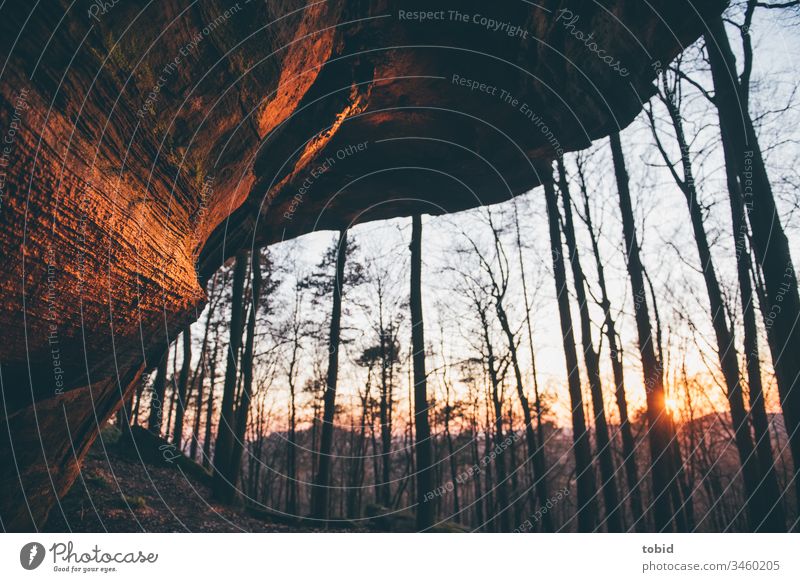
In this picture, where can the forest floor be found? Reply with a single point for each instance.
(119, 492)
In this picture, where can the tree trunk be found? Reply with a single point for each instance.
(615, 354)
(660, 432)
(422, 430)
(587, 491)
(137, 405)
(256, 459)
(157, 398)
(321, 491)
(224, 481)
(199, 377)
(291, 441)
(356, 462)
(540, 465)
(758, 504)
(183, 383)
(385, 491)
(752, 197)
(243, 410)
(499, 437)
(212, 379)
(536, 450)
(776, 519)
(517, 500)
(476, 478)
(451, 455)
(769, 241)
(592, 361)
(198, 412)
(174, 390)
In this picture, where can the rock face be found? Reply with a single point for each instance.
(142, 147)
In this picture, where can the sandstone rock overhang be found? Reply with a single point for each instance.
(143, 146)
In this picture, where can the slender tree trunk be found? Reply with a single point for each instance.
(615, 354)
(776, 519)
(411, 454)
(513, 468)
(183, 382)
(592, 361)
(198, 413)
(224, 481)
(758, 505)
(357, 457)
(137, 405)
(291, 441)
(200, 373)
(500, 458)
(538, 465)
(663, 468)
(321, 491)
(487, 448)
(682, 493)
(243, 410)
(212, 379)
(173, 392)
(679, 490)
(376, 461)
(422, 430)
(157, 398)
(451, 455)
(476, 478)
(587, 491)
(385, 493)
(769, 241)
(314, 432)
(258, 453)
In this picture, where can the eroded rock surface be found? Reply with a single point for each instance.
(142, 146)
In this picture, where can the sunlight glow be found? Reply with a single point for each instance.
(671, 405)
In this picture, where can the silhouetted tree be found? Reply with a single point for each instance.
(422, 430)
(158, 393)
(224, 481)
(615, 354)
(591, 359)
(769, 242)
(664, 466)
(587, 492)
(320, 491)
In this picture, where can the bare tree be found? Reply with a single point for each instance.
(243, 408)
(591, 359)
(212, 382)
(293, 334)
(615, 354)
(320, 491)
(199, 377)
(763, 502)
(157, 395)
(587, 489)
(664, 466)
(422, 429)
(224, 481)
(498, 277)
(770, 245)
(183, 382)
